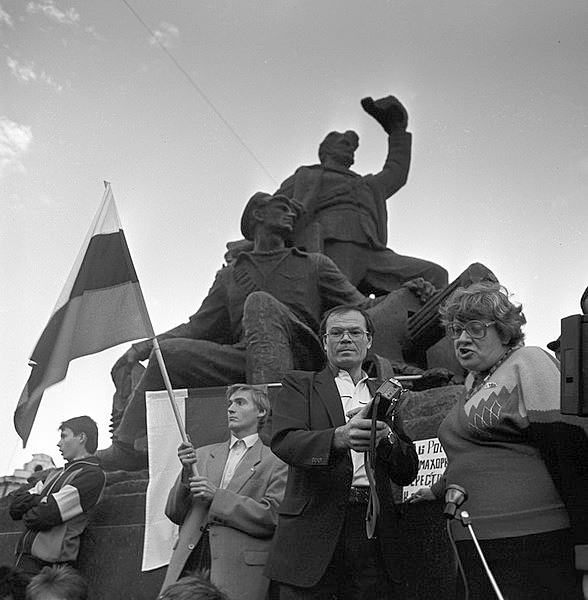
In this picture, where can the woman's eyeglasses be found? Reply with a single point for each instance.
(475, 329)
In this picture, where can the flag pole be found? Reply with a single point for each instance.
(165, 375)
(170, 393)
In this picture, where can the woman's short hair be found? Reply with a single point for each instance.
(486, 301)
(259, 396)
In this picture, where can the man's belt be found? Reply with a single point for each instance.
(359, 494)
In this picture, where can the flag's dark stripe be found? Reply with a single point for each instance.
(107, 263)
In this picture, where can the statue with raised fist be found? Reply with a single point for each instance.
(345, 214)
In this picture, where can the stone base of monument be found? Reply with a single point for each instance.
(112, 546)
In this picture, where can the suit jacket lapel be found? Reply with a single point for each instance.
(216, 462)
(326, 388)
(246, 467)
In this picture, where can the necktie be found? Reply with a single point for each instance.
(235, 454)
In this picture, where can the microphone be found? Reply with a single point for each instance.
(455, 496)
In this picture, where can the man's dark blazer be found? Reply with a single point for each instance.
(304, 417)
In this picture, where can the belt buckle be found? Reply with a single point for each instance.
(359, 495)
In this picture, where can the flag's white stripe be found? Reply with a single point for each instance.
(106, 221)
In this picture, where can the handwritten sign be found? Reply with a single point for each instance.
(432, 463)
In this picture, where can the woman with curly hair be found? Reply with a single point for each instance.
(523, 464)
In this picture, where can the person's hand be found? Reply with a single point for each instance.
(356, 433)
(130, 357)
(202, 489)
(421, 495)
(187, 455)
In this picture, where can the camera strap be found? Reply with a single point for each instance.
(390, 392)
(373, 507)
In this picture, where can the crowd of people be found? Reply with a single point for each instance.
(289, 521)
(63, 582)
(298, 503)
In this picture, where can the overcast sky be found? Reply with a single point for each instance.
(497, 93)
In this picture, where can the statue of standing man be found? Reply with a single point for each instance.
(345, 214)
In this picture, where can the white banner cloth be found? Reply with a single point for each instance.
(163, 438)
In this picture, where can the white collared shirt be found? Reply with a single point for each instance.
(354, 396)
(237, 449)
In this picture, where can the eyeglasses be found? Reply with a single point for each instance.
(337, 333)
(475, 329)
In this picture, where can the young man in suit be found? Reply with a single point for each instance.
(321, 429)
(228, 512)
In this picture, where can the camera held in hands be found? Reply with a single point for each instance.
(386, 399)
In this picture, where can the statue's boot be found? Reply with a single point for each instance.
(122, 456)
(190, 364)
(125, 454)
(277, 341)
(424, 327)
(390, 317)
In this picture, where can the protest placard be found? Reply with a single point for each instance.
(432, 463)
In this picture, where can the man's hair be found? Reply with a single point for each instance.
(259, 396)
(194, 587)
(13, 583)
(83, 425)
(62, 581)
(343, 308)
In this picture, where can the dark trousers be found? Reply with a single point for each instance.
(356, 571)
(531, 567)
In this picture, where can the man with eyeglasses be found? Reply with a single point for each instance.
(321, 430)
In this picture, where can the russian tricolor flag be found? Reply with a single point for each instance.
(100, 306)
